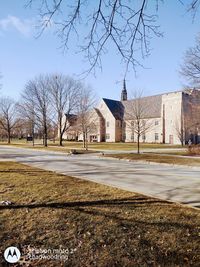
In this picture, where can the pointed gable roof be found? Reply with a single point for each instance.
(121, 109)
(115, 107)
(152, 106)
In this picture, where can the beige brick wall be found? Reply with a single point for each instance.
(172, 103)
(155, 128)
(109, 122)
(108, 126)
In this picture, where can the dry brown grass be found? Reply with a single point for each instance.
(106, 226)
(67, 145)
(159, 158)
(194, 150)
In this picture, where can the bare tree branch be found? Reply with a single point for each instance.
(64, 92)
(85, 118)
(190, 68)
(126, 25)
(8, 118)
(36, 94)
(138, 121)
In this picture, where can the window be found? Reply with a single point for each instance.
(132, 137)
(156, 137)
(132, 124)
(107, 136)
(143, 122)
(107, 123)
(143, 137)
(156, 122)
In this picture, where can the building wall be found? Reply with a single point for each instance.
(95, 128)
(191, 115)
(172, 103)
(153, 133)
(110, 122)
(164, 128)
(118, 131)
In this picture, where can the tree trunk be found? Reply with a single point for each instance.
(9, 137)
(138, 144)
(83, 139)
(86, 142)
(60, 140)
(182, 142)
(33, 136)
(8, 130)
(60, 133)
(45, 136)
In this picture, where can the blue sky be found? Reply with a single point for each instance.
(22, 56)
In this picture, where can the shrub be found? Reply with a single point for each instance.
(194, 149)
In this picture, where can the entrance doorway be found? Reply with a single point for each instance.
(171, 139)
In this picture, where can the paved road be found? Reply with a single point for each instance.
(181, 184)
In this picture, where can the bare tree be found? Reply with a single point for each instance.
(86, 103)
(26, 110)
(8, 119)
(0, 80)
(64, 94)
(192, 116)
(193, 7)
(127, 25)
(180, 131)
(190, 68)
(137, 114)
(38, 91)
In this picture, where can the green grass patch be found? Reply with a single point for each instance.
(100, 225)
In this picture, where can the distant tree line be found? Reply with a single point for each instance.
(44, 109)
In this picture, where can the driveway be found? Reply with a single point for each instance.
(174, 183)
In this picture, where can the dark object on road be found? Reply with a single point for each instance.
(73, 152)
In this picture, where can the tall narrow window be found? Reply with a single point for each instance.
(107, 136)
(156, 137)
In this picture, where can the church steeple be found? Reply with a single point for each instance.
(124, 92)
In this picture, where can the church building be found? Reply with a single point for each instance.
(171, 118)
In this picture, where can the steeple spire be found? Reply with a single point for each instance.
(124, 85)
(124, 92)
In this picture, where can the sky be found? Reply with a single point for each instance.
(23, 56)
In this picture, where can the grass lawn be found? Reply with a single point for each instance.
(68, 145)
(99, 225)
(159, 158)
(51, 146)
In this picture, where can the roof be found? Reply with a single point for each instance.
(116, 108)
(99, 113)
(71, 118)
(150, 106)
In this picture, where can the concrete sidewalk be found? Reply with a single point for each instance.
(174, 183)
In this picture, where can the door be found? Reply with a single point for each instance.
(171, 139)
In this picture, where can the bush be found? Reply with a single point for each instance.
(194, 149)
